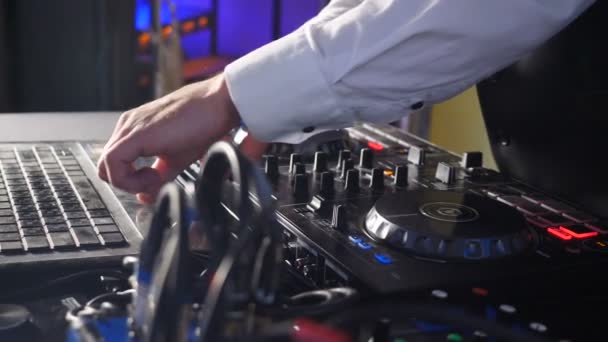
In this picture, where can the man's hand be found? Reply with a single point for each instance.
(177, 129)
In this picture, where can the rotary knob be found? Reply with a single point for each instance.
(351, 185)
(294, 158)
(416, 155)
(300, 187)
(377, 182)
(366, 158)
(445, 173)
(338, 218)
(347, 165)
(271, 167)
(320, 163)
(401, 174)
(342, 156)
(326, 188)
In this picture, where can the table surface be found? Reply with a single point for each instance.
(57, 126)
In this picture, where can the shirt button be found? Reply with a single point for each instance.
(417, 105)
(308, 129)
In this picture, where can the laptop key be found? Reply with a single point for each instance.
(75, 214)
(27, 215)
(5, 205)
(58, 227)
(86, 237)
(107, 228)
(6, 212)
(80, 222)
(11, 247)
(113, 239)
(3, 198)
(54, 220)
(36, 243)
(103, 220)
(10, 237)
(30, 223)
(8, 228)
(62, 240)
(32, 231)
(7, 220)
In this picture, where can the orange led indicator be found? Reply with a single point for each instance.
(388, 172)
(188, 26)
(203, 22)
(167, 30)
(601, 244)
(144, 39)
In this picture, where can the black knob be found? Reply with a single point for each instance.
(320, 164)
(271, 167)
(351, 185)
(381, 332)
(377, 182)
(294, 158)
(445, 173)
(471, 159)
(300, 187)
(326, 188)
(338, 218)
(416, 155)
(299, 169)
(366, 158)
(347, 164)
(401, 176)
(342, 156)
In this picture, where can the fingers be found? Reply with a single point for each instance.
(253, 148)
(118, 162)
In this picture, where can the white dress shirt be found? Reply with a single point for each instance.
(378, 60)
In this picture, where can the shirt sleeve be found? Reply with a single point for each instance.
(378, 60)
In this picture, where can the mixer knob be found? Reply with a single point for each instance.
(327, 184)
(416, 155)
(319, 205)
(366, 158)
(445, 173)
(471, 159)
(342, 156)
(320, 164)
(271, 167)
(347, 165)
(299, 169)
(401, 176)
(377, 182)
(300, 187)
(351, 185)
(294, 158)
(338, 218)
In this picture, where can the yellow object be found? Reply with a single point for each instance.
(458, 126)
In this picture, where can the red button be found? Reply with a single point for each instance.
(578, 231)
(559, 234)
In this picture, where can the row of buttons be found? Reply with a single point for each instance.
(365, 245)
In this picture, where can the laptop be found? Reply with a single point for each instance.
(55, 210)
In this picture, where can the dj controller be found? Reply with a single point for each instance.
(365, 234)
(375, 208)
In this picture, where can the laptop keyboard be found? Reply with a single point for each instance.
(47, 203)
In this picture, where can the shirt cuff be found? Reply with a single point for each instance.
(281, 93)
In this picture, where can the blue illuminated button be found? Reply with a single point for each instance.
(364, 245)
(355, 239)
(383, 258)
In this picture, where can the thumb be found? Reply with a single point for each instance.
(154, 177)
